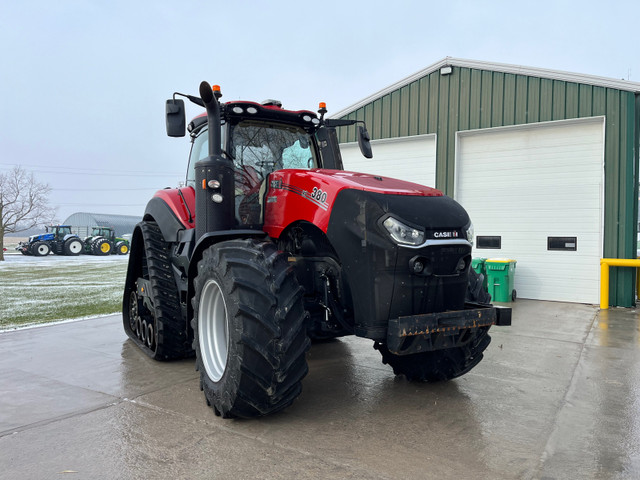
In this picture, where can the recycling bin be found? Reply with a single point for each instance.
(500, 279)
(478, 264)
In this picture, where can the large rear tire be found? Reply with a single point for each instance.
(73, 247)
(249, 329)
(101, 246)
(447, 363)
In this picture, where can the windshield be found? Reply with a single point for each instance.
(267, 148)
(263, 148)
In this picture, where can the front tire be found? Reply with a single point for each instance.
(122, 248)
(447, 363)
(40, 249)
(249, 329)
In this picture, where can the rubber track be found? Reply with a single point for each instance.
(268, 326)
(448, 363)
(171, 342)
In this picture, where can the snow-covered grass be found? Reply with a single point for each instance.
(44, 289)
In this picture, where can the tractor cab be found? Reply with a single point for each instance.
(59, 231)
(257, 145)
(106, 232)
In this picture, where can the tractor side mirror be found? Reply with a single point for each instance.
(364, 142)
(176, 123)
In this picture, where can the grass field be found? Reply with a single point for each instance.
(45, 289)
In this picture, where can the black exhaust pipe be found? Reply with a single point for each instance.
(215, 177)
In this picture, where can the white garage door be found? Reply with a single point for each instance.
(407, 158)
(525, 184)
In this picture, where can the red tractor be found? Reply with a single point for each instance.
(271, 244)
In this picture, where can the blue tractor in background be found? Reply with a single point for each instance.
(59, 239)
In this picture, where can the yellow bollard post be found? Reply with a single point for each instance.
(605, 263)
(638, 281)
(604, 284)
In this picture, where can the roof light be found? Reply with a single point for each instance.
(322, 105)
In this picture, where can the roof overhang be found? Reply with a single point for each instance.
(496, 67)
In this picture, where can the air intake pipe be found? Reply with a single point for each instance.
(215, 178)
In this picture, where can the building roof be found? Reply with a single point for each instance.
(122, 224)
(496, 67)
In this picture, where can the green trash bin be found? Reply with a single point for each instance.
(500, 278)
(478, 264)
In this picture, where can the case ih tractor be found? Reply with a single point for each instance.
(58, 240)
(103, 241)
(272, 244)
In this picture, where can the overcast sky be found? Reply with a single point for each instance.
(83, 83)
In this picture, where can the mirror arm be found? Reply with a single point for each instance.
(196, 100)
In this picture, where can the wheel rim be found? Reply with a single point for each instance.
(213, 331)
(43, 249)
(123, 249)
(75, 247)
(104, 248)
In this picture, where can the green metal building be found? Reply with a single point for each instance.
(545, 162)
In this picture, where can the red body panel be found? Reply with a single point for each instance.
(309, 195)
(172, 197)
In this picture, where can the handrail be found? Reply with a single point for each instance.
(605, 263)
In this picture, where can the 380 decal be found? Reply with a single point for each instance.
(317, 196)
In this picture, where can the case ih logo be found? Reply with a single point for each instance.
(452, 234)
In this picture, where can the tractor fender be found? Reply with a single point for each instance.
(161, 212)
(70, 235)
(173, 209)
(205, 242)
(135, 261)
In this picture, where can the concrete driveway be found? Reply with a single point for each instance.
(557, 396)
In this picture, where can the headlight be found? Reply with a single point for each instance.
(470, 233)
(403, 234)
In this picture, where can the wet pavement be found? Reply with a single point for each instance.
(557, 396)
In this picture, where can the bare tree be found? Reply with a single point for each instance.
(23, 203)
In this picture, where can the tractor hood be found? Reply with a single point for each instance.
(309, 195)
(371, 183)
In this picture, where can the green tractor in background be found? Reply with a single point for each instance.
(103, 241)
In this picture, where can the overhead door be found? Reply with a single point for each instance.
(535, 194)
(407, 158)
